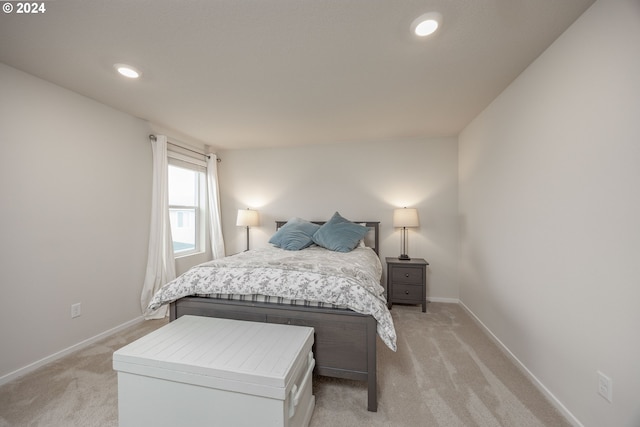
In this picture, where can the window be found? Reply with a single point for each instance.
(186, 205)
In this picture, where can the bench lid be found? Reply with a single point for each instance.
(259, 358)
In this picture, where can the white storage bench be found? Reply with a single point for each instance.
(201, 371)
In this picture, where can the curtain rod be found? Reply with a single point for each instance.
(153, 138)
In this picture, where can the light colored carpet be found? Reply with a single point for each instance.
(446, 372)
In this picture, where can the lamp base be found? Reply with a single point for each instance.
(404, 257)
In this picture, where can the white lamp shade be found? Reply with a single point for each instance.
(405, 217)
(247, 218)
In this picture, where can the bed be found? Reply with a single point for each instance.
(346, 323)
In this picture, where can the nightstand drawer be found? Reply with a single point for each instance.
(411, 275)
(408, 293)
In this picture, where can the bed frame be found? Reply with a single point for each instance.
(345, 341)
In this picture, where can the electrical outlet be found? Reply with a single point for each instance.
(76, 310)
(605, 386)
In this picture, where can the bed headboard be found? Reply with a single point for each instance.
(371, 241)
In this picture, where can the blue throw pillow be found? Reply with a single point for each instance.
(296, 234)
(339, 234)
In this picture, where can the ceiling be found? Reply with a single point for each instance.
(261, 73)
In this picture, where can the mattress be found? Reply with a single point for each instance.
(273, 300)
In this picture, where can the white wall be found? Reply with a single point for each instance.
(550, 208)
(362, 182)
(75, 180)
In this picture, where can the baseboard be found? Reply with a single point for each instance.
(445, 300)
(539, 385)
(35, 365)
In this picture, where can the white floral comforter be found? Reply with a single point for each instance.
(349, 279)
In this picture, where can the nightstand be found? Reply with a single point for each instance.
(407, 281)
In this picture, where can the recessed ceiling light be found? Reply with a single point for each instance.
(127, 71)
(426, 24)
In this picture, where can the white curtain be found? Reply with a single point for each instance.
(160, 262)
(215, 223)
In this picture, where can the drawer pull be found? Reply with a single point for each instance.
(406, 274)
(406, 292)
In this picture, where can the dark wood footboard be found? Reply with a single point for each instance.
(345, 341)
